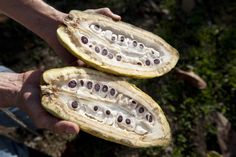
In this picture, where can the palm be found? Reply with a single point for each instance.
(30, 102)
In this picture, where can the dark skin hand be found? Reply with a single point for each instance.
(24, 89)
(29, 98)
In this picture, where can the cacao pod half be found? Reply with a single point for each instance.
(116, 47)
(105, 106)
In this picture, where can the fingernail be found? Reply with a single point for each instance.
(117, 17)
(71, 131)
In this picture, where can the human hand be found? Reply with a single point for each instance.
(106, 12)
(28, 99)
(43, 20)
(59, 49)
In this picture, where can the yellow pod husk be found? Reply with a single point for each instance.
(116, 47)
(117, 111)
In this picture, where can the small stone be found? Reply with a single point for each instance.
(108, 112)
(104, 52)
(118, 58)
(119, 119)
(141, 110)
(110, 56)
(156, 61)
(72, 84)
(127, 121)
(95, 108)
(74, 104)
(105, 88)
(84, 40)
(89, 85)
(97, 49)
(97, 87)
(147, 62)
(112, 92)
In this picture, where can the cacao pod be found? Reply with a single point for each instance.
(116, 47)
(105, 106)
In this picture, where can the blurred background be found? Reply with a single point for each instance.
(198, 98)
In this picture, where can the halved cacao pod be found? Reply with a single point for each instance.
(116, 47)
(105, 106)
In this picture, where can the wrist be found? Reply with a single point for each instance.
(10, 86)
(48, 20)
(36, 15)
(54, 19)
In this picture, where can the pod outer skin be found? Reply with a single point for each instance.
(79, 52)
(108, 133)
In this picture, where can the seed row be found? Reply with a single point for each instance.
(105, 52)
(110, 117)
(72, 84)
(118, 39)
(121, 99)
(133, 44)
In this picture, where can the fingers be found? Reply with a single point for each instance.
(106, 12)
(31, 104)
(109, 13)
(55, 125)
(32, 77)
(63, 126)
(44, 120)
